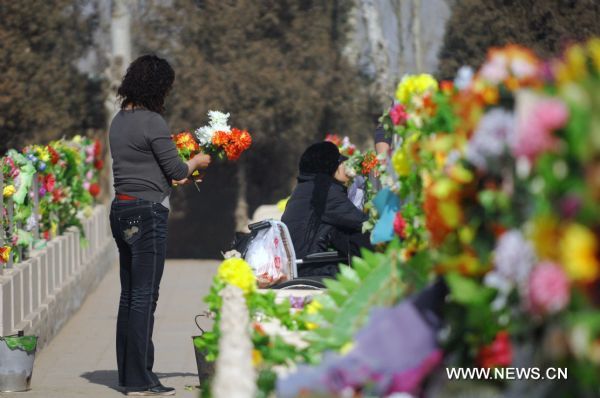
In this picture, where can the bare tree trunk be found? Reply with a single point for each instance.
(416, 26)
(119, 58)
(241, 208)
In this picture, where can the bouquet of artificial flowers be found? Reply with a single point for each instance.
(186, 144)
(362, 163)
(187, 147)
(220, 140)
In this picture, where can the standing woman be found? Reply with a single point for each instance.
(145, 164)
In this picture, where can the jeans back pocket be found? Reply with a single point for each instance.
(131, 228)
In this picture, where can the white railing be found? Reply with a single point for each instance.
(39, 294)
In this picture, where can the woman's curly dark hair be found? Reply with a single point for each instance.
(146, 83)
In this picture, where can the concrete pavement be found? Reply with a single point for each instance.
(80, 360)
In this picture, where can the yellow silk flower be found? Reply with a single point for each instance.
(415, 84)
(574, 66)
(449, 209)
(465, 263)
(257, 358)
(400, 162)
(313, 308)
(578, 253)
(53, 229)
(237, 272)
(451, 213)
(9, 191)
(44, 154)
(544, 233)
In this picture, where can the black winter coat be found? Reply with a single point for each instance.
(339, 215)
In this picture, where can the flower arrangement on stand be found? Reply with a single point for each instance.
(504, 199)
(61, 177)
(18, 177)
(71, 184)
(274, 324)
(423, 121)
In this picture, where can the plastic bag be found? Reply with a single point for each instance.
(356, 192)
(267, 257)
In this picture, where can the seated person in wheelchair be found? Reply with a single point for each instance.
(319, 214)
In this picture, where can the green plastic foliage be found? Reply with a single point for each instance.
(26, 172)
(25, 343)
(24, 238)
(466, 291)
(373, 280)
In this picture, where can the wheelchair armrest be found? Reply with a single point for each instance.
(257, 226)
(324, 257)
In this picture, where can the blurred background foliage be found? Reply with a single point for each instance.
(544, 26)
(43, 95)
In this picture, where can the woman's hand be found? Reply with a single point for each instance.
(202, 160)
(196, 178)
(185, 181)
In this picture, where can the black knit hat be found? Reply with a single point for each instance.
(321, 158)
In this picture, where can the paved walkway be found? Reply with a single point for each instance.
(80, 361)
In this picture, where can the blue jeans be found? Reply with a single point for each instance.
(139, 228)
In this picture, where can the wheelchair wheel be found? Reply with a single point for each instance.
(301, 284)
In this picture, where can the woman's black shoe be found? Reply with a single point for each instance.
(156, 391)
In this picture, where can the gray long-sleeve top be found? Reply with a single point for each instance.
(145, 159)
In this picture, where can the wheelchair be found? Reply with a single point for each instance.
(290, 267)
